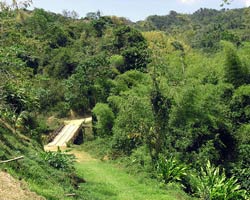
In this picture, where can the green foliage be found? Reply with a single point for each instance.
(158, 134)
(213, 184)
(62, 64)
(240, 105)
(202, 124)
(57, 37)
(171, 170)
(40, 176)
(20, 98)
(133, 112)
(25, 121)
(126, 36)
(153, 93)
(235, 72)
(59, 160)
(117, 61)
(9, 59)
(105, 119)
(140, 161)
(133, 47)
(203, 29)
(241, 166)
(128, 80)
(86, 86)
(135, 58)
(100, 25)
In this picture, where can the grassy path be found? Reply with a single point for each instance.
(107, 182)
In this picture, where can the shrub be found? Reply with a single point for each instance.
(133, 120)
(61, 109)
(171, 170)
(141, 160)
(59, 160)
(213, 184)
(235, 71)
(117, 61)
(105, 118)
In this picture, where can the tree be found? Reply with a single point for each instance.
(105, 119)
(133, 121)
(93, 15)
(88, 84)
(240, 105)
(132, 108)
(135, 58)
(227, 2)
(100, 25)
(161, 106)
(70, 14)
(200, 117)
(61, 65)
(15, 5)
(133, 47)
(235, 72)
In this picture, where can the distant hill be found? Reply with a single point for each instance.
(205, 26)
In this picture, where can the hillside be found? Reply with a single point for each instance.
(12, 189)
(39, 175)
(169, 101)
(204, 28)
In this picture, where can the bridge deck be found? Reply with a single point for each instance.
(69, 131)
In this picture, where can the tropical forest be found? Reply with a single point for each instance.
(100, 107)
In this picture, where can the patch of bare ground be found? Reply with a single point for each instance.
(11, 189)
(82, 156)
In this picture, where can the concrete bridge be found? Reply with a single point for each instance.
(67, 134)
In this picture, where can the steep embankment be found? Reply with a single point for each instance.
(11, 189)
(40, 176)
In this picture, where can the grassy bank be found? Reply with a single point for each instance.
(107, 181)
(112, 180)
(43, 179)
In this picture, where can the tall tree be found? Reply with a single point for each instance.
(235, 72)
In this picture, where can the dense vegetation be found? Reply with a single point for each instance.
(42, 177)
(204, 29)
(170, 98)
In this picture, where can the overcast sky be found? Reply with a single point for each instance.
(133, 9)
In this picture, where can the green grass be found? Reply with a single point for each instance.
(106, 181)
(41, 178)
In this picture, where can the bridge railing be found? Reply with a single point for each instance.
(52, 135)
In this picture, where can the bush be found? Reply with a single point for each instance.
(213, 184)
(240, 166)
(105, 118)
(61, 109)
(140, 160)
(133, 120)
(59, 160)
(235, 71)
(117, 61)
(171, 170)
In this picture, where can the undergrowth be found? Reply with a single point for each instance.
(138, 164)
(42, 178)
